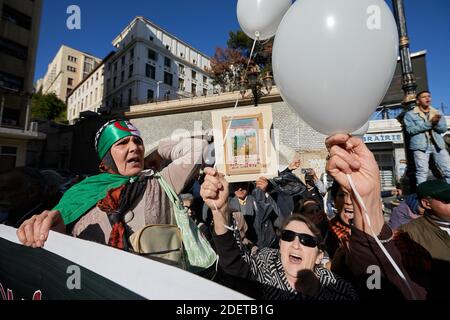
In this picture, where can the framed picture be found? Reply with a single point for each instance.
(245, 144)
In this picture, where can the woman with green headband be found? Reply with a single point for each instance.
(123, 198)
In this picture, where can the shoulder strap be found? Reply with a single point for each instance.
(173, 197)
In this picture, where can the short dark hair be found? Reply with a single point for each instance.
(334, 190)
(311, 226)
(421, 93)
(299, 208)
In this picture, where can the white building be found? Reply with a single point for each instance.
(88, 94)
(151, 65)
(68, 68)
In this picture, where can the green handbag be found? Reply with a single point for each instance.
(198, 252)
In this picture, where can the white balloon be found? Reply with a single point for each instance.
(333, 61)
(361, 131)
(261, 16)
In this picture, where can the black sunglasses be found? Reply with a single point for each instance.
(305, 239)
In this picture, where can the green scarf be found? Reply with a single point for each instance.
(85, 195)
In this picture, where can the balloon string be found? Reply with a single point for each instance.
(235, 106)
(237, 100)
(251, 53)
(388, 256)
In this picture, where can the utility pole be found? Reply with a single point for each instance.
(409, 87)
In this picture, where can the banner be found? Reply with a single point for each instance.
(70, 268)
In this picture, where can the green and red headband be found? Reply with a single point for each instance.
(111, 132)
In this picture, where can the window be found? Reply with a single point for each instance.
(68, 92)
(13, 49)
(181, 69)
(72, 59)
(7, 158)
(168, 78)
(194, 75)
(152, 55)
(150, 71)
(109, 66)
(167, 47)
(132, 54)
(108, 84)
(114, 82)
(205, 80)
(11, 81)
(121, 100)
(194, 89)
(181, 84)
(115, 66)
(181, 54)
(167, 62)
(71, 69)
(11, 117)
(123, 61)
(69, 81)
(14, 16)
(130, 71)
(96, 76)
(150, 95)
(151, 38)
(130, 92)
(122, 76)
(95, 95)
(194, 61)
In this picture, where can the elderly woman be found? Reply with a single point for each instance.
(291, 272)
(109, 207)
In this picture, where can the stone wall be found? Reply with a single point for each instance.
(295, 135)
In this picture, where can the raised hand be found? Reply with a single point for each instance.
(351, 156)
(214, 191)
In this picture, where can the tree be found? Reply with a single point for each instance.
(229, 64)
(48, 107)
(226, 68)
(262, 54)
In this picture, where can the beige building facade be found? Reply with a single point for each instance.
(151, 64)
(19, 33)
(68, 68)
(88, 94)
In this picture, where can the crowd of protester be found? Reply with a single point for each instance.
(275, 238)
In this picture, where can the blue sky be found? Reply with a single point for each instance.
(205, 24)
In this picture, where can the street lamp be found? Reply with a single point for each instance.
(255, 83)
(409, 87)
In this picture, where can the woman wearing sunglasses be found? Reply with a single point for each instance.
(292, 272)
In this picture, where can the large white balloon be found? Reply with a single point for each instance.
(333, 61)
(261, 16)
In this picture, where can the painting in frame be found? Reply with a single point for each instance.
(245, 148)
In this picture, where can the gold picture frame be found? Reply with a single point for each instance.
(245, 143)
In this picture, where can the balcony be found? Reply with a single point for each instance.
(16, 132)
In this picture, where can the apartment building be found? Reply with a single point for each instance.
(19, 32)
(150, 65)
(68, 68)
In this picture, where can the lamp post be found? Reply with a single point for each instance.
(255, 83)
(409, 87)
